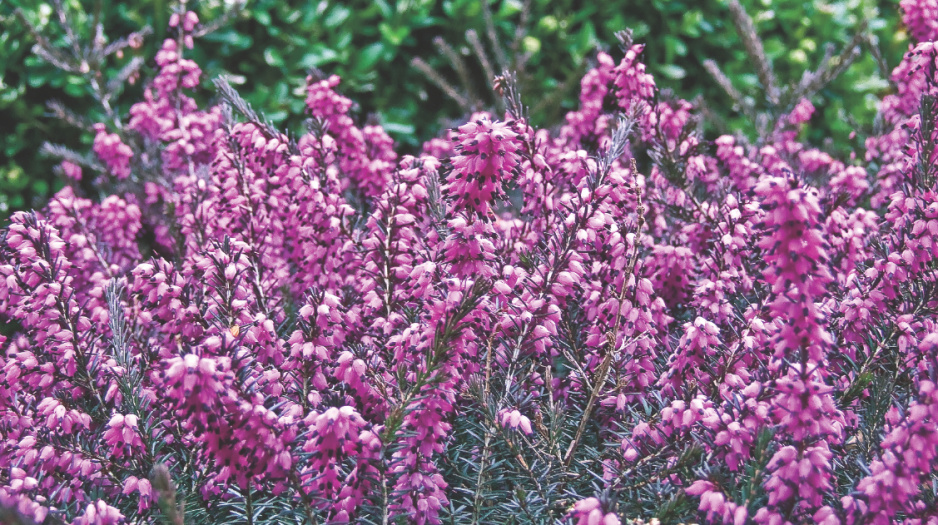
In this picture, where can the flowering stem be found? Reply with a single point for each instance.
(304, 498)
(612, 337)
(248, 509)
(477, 498)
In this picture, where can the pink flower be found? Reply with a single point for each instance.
(921, 17)
(487, 153)
(99, 513)
(143, 488)
(71, 170)
(632, 81)
(115, 154)
(514, 420)
(589, 512)
(122, 434)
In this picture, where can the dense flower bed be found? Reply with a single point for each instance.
(614, 319)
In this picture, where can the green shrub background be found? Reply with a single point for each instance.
(271, 44)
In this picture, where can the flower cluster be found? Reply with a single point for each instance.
(619, 318)
(589, 512)
(114, 153)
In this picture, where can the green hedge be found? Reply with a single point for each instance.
(269, 46)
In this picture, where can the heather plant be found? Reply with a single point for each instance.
(612, 320)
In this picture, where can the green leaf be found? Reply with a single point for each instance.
(509, 8)
(530, 44)
(398, 128)
(675, 46)
(232, 38)
(672, 71)
(549, 23)
(276, 116)
(318, 56)
(337, 15)
(871, 83)
(369, 56)
(393, 35)
(263, 17)
(691, 22)
(384, 7)
(273, 57)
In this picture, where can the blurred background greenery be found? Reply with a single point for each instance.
(270, 45)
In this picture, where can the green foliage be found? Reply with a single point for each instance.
(270, 45)
(28, 83)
